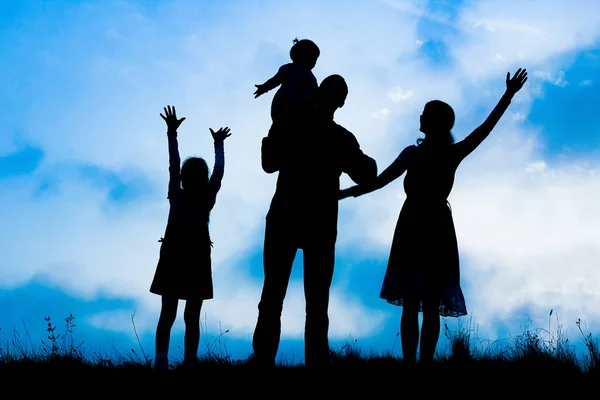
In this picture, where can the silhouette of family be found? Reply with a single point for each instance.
(310, 151)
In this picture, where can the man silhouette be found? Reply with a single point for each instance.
(303, 215)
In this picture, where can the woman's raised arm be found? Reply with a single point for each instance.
(475, 138)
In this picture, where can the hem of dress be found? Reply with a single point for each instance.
(183, 297)
(443, 311)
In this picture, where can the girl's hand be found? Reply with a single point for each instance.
(221, 134)
(514, 84)
(171, 119)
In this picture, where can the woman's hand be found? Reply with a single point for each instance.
(221, 134)
(171, 119)
(514, 84)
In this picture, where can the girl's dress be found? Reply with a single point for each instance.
(184, 268)
(424, 262)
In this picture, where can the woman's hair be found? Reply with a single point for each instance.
(441, 121)
(194, 171)
(304, 50)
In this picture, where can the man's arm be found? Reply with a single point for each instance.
(361, 168)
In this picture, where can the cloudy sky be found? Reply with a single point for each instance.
(83, 158)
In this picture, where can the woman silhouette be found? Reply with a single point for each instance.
(423, 269)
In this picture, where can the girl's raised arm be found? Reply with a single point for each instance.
(173, 123)
(219, 167)
(174, 165)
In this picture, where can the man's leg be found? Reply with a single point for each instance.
(318, 273)
(278, 257)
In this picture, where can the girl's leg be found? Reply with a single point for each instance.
(430, 331)
(168, 313)
(409, 330)
(191, 316)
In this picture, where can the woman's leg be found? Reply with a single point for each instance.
(430, 331)
(191, 317)
(168, 313)
(409, 330)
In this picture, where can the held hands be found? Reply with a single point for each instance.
(514, 84)
(342, 194)
(345, 193)
(171, 119)
(220, 135)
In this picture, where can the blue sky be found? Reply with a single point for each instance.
(83, 159)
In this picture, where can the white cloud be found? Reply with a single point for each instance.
(524, 36)
(559, 80)
(537, 166)
(526, 225)
(399, 95)
(384, 112)
(519, 116)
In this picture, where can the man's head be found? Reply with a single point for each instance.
(332, 92)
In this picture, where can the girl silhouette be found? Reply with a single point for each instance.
(423, 268)
(184, 267)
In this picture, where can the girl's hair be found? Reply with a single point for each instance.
(194, 168)
(304, 50)
(442, 123)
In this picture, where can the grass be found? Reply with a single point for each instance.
(535, 361)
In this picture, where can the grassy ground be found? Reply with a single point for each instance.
(533, 363)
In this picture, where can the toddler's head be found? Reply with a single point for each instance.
(305, 53)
